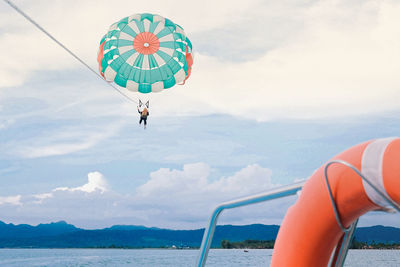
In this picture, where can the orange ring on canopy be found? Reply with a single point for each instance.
(146, 43)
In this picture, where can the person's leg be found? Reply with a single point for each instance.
(140, 122)
(145, 123)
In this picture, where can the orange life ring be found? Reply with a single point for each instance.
(309, 232)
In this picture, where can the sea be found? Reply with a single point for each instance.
(170, 257)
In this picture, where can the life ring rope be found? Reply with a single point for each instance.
(316, 225)
(365, 179)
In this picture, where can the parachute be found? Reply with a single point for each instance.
(145, 53)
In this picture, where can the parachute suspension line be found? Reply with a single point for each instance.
(147, 104)
(11, 4)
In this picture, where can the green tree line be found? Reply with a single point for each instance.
(269, 244)
(373, 245)
(248, 244)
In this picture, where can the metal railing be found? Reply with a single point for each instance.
(276, 193)
(343, 247)
(285, 191)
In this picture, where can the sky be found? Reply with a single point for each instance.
(277, 89)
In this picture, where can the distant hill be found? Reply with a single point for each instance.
(26, 231)
(64, 235)
(378, 233)
(130, 227)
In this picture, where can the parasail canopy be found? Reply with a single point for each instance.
(145, 53)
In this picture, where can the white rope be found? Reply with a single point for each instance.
(65, 48)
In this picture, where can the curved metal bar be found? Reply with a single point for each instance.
(279, 192)
(337, 216)
(344, 246)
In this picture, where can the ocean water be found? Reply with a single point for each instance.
(170, 258)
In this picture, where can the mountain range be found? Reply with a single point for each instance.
(64, 235)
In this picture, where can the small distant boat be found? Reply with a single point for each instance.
(245, 250)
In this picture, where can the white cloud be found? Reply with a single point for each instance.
(166, 182)
(5, 123)
(81, 26)
(193, 181)
(340, 59)
(186, 198)
(40, 197)
(336, 58)
(330, 70)
(171, 198)
(96, 181)
(180, 199)
(64, 141)
(11, 200)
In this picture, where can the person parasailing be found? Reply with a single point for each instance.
(143, 116)
(143, 113)
(145, 53)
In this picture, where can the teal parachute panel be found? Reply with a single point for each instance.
(145, 53)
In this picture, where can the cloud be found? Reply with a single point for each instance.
(11, 200)
(64, 140)
(330, 70)
(184, 198)
(253, 59)
(63, 20)
(40, 197)
(96, 181)
(328, 58)
(96, 184)
(5, 123)
(170, 198)
(165, 182)
(193, 181)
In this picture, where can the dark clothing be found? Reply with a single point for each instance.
(143, 117)
(144, 120)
